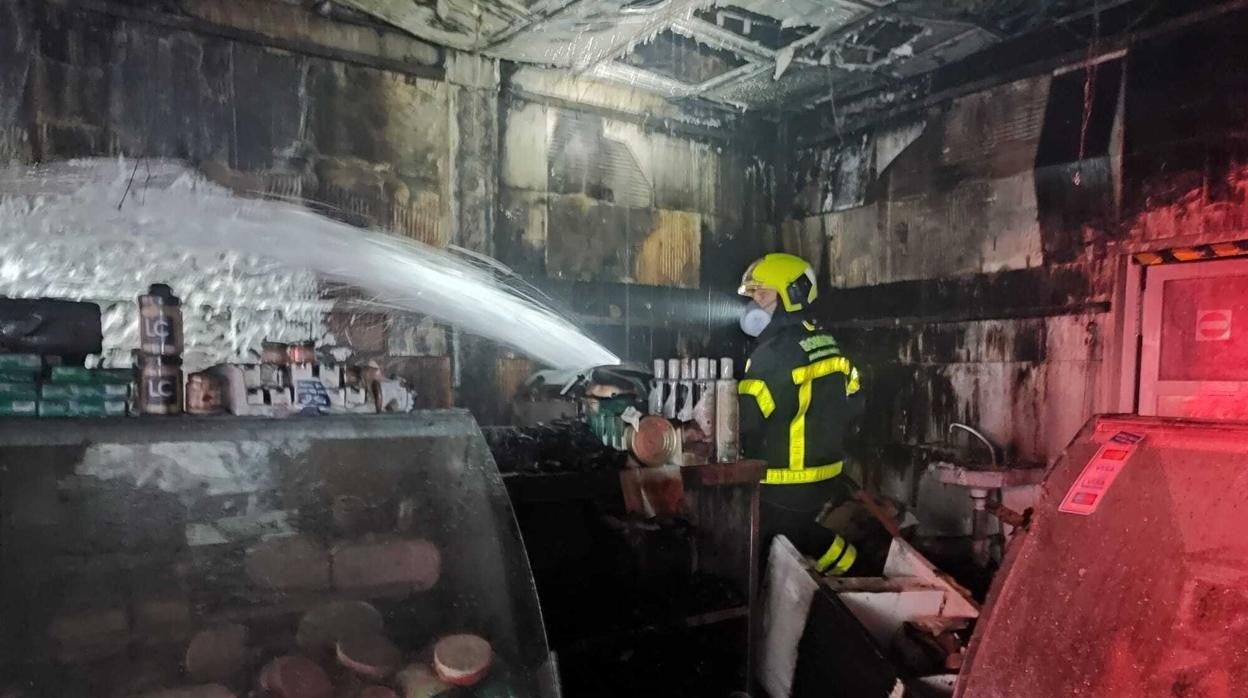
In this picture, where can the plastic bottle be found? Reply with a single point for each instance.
(704, 407)
(684, 402)
(727, 426)
(670, 393)
(657, 390)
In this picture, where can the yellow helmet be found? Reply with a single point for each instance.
(789, 276)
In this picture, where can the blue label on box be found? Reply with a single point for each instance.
(311, 393)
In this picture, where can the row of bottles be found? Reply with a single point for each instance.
(701, 394)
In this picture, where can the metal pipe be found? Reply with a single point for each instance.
(981, 545)
(992, 450)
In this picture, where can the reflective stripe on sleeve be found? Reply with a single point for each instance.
(832, 555)
(846, 561)
(760, 392)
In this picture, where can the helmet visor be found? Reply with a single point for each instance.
(748, 283)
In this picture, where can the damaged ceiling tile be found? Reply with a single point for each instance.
(736, 54)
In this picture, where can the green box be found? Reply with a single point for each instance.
(54, 408)
(19, 391)
(76, 408)
(87, 393)
(26, 361)
(18, 408)
(77, 375)
(18, 375)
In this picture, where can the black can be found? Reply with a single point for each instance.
(160, 322)
(160, 384)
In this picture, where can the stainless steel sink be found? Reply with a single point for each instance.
(986, 478)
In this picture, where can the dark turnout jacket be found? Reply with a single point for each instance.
(799, 396)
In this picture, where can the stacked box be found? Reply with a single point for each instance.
(19, 375)
(18, 407)
(85, 393)
(73, 391)
(22, 362)
(76, 375)
(19, 387)
(15, 390)
(83, 408)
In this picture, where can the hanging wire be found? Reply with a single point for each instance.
(1089, 90)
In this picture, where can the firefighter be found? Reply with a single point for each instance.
(798, 398)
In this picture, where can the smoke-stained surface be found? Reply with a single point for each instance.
(248, 269)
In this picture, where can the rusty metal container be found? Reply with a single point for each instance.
(203, 394)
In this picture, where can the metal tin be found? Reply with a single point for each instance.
(654, 442)
(160, 322)
(203, 394)
(160, 384)
(301, 353)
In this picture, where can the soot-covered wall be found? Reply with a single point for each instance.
(368, 145)
(972, 248)
(638, 227)
(641, 228)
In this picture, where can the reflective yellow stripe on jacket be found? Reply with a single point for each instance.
(804, 377)
(805, 476)
(839, 557)
(797, 473)
(819, 369)
(761, 393)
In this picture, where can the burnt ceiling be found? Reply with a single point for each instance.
(739, 54)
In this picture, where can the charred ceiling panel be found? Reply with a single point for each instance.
(871, 44)
(674, 56)
(579, 34)
(764, 29)
(738, 53)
